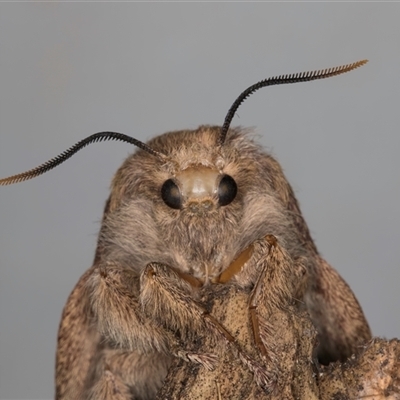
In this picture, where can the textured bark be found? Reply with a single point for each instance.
(374, 374)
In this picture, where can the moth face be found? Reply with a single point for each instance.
(199, 190)
(197, 211)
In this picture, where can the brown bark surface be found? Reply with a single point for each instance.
(374, 374)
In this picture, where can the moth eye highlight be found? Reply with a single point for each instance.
(171, 194)
(227, 190)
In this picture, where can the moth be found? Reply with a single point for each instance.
(191, 214)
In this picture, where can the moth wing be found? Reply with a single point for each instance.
(78, 344)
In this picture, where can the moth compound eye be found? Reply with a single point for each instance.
(171, 194)
(227, 190)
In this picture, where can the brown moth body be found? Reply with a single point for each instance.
(198, 211)
(138, 228)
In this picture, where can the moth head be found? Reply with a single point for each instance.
(194, 183)
(194, 198)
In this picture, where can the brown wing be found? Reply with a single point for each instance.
(77, 344)
(337, 315)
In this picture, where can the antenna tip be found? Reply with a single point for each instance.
(362, 62)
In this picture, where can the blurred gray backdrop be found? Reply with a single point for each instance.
(68, 70)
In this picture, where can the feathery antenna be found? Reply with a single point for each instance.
(281, 80)
(54, 162)
(103, 136)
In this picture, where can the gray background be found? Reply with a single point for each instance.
(69, 70)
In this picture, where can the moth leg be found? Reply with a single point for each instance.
(139, 375)
(109, 387)
(279, 281)
(115, 294)
(170, 300)
(96, 303)
(206, 360)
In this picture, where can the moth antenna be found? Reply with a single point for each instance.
(96, 137)
(281, 80)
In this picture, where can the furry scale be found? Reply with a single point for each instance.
(116, 342)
